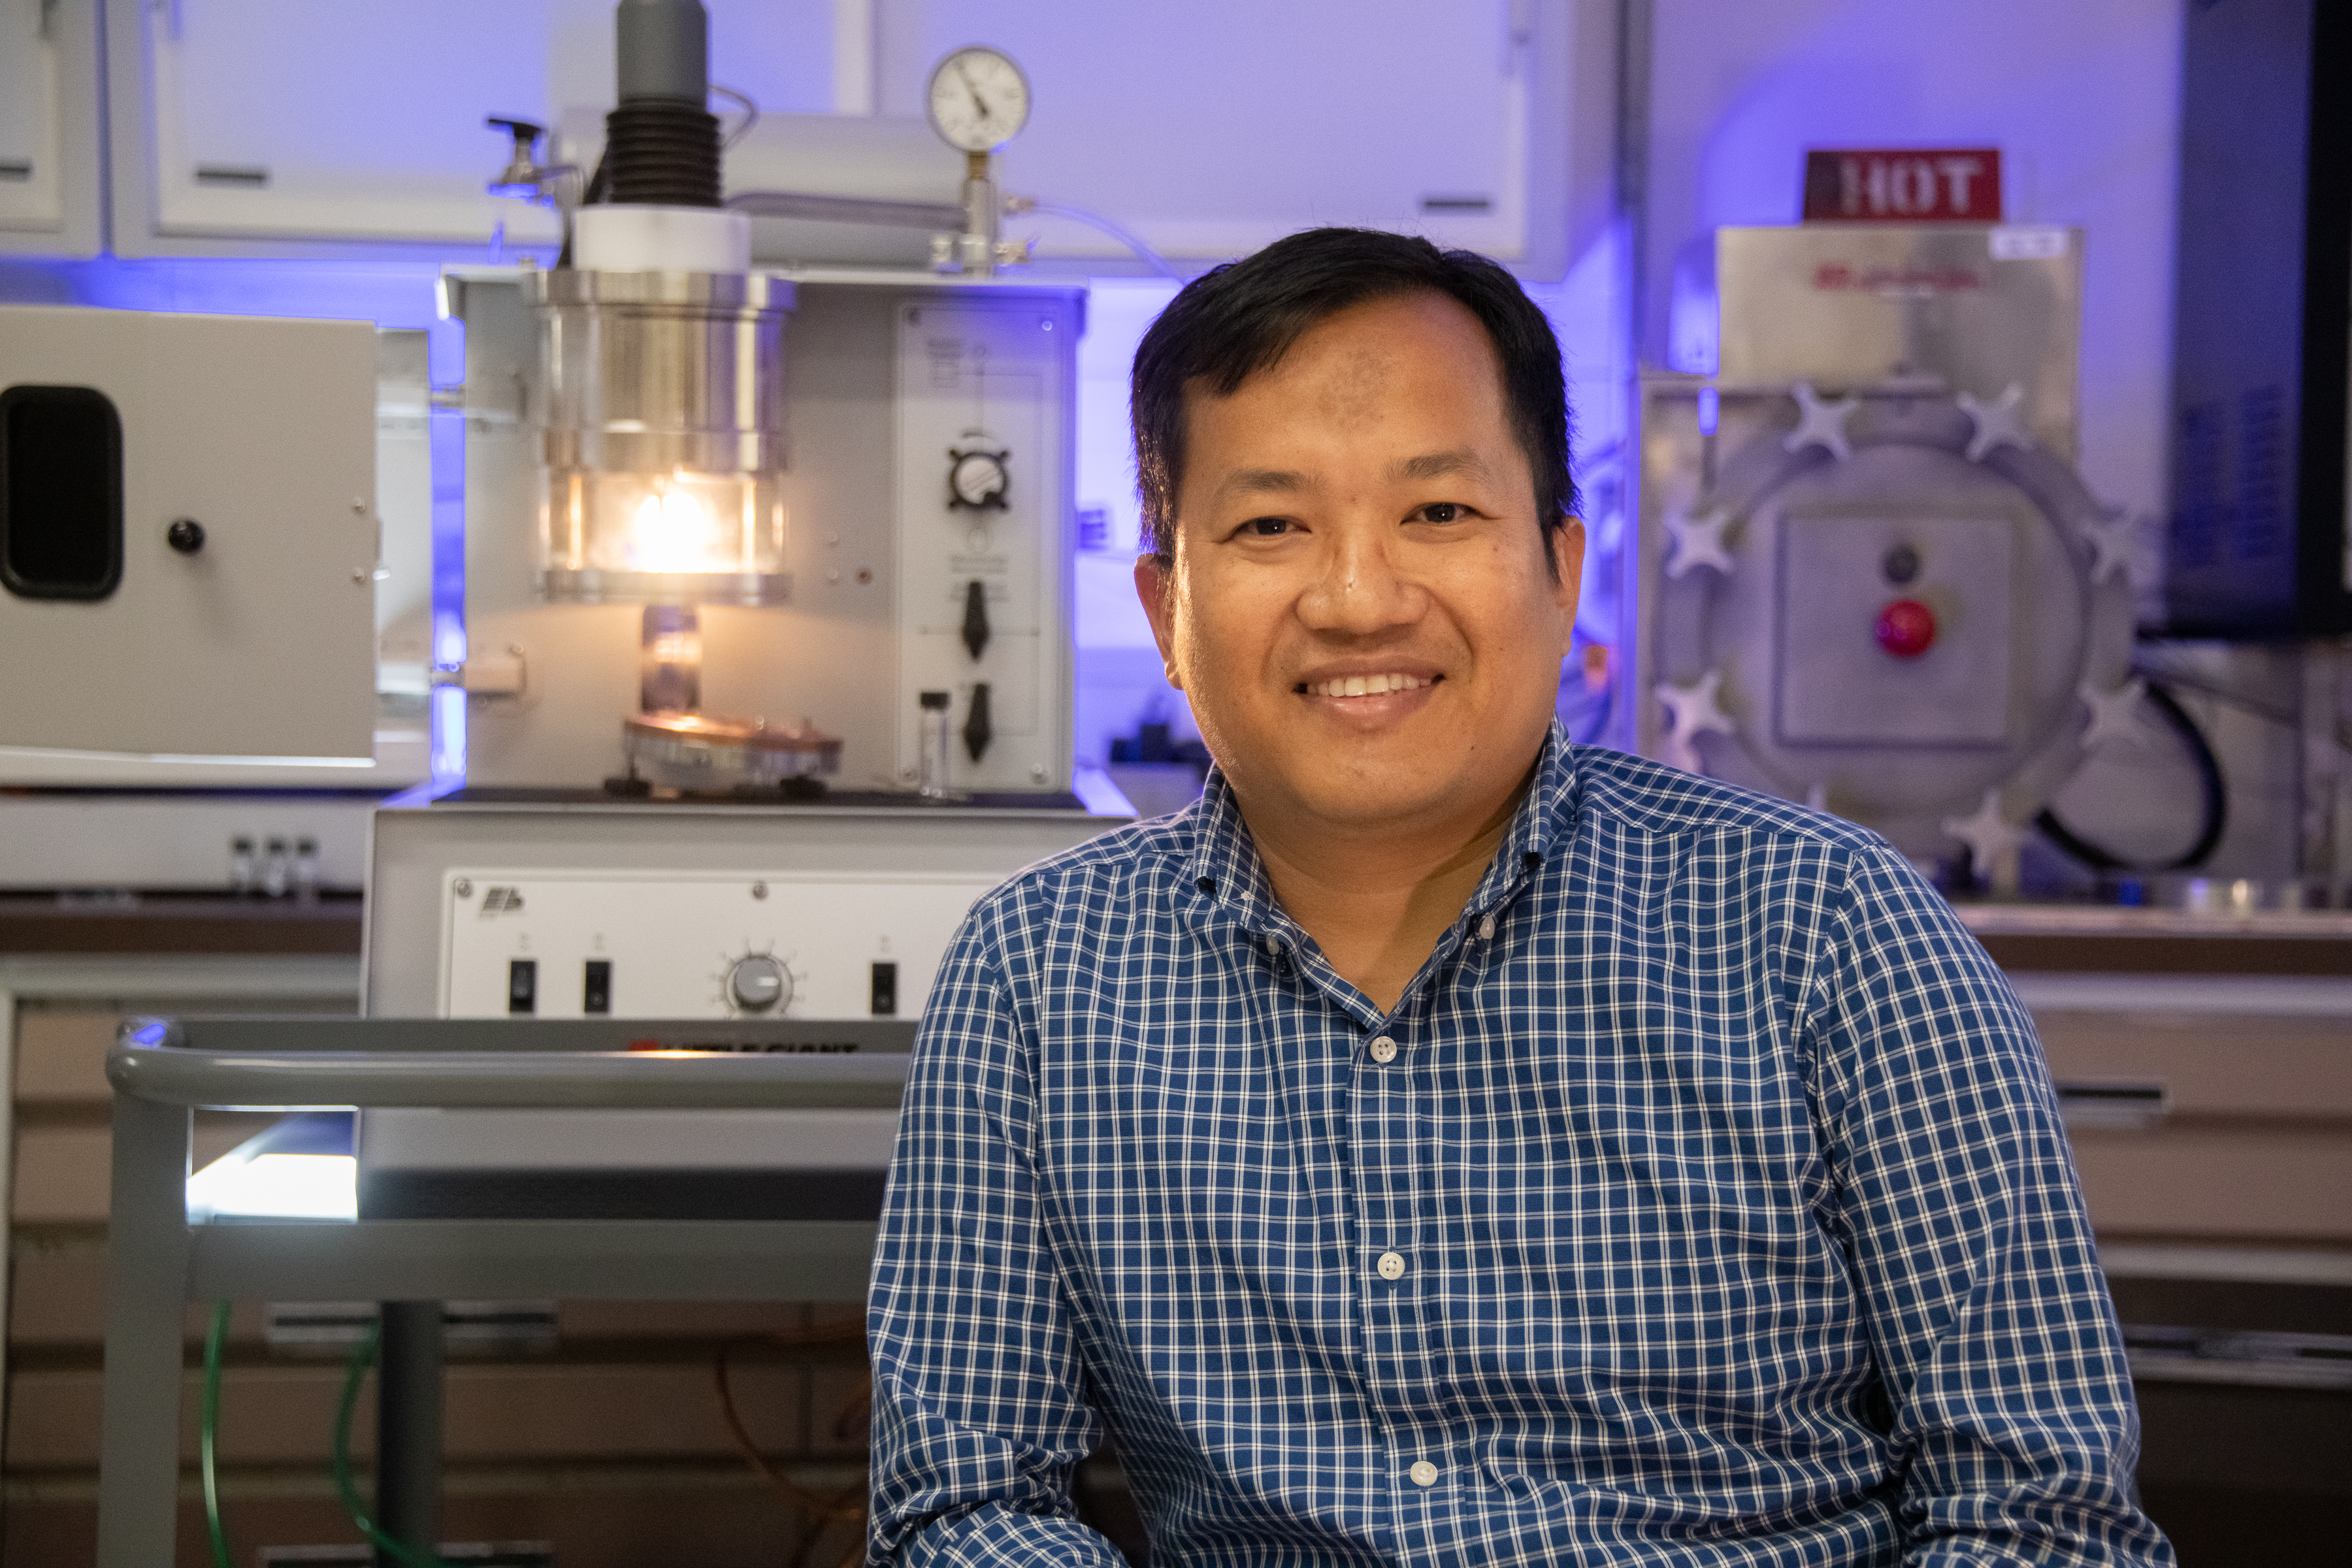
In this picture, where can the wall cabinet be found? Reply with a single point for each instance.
(290, 128)
(1213, 127)
(268, 126)
(50, 177)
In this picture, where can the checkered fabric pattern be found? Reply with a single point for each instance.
(1711, 1207)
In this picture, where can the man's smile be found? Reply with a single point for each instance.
(1377, 684)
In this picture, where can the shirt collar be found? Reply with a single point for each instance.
(1226, 882)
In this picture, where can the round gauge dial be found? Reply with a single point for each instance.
(979, 100)
(978, 480)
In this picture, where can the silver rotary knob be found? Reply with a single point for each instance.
(758, 983)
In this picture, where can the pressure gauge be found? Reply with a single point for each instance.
(979, 100)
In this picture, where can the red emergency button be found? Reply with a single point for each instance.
(1907, 628)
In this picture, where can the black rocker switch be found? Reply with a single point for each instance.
(978, 731)
(975, 616)
(522, 986)
(596, 991)
(885, 990)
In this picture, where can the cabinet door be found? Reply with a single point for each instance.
(252, 126)
(187, 550)
(49, 127)
(1215, 126)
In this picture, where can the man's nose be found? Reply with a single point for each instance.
(1362, 586)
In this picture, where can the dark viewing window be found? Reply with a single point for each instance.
(61, 494)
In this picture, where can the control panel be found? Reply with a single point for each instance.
(984, 495)
(623, 944)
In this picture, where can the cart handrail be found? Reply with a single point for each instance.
(148, 1064)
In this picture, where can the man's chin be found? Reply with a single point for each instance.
(1357, 805)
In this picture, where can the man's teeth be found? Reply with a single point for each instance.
(1365, 685)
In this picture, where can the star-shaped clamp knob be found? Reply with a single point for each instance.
(2110, 711)
(1992, 839)
(1698, 541)
(1691, 711)
(1820, 422)
(2111, 541)
(1995, 425)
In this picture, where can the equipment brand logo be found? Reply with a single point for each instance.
(1898, 282)
(501, 902)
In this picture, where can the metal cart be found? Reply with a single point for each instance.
(164, 1069)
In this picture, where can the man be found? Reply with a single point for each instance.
(1441, 1144)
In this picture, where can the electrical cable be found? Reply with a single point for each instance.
(1125, 237)
(848, 1505)
(207, 1440)
(2213, 785)
(742, 126)
(363, 1357)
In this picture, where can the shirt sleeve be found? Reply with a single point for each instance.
(2011, 1410)
(979, 1412)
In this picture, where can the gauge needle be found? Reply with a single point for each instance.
(972, 88)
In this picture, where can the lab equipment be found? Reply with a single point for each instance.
(1869, 577)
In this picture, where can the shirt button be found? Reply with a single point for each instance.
(1391, 1267)
(1273, 944)
(1383, 1050)
(1423, 1473)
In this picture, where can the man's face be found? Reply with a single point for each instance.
(1359, 607)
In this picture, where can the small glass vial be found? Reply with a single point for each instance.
(277, 870)
(934, 784)
(243, 869)
(306, 870)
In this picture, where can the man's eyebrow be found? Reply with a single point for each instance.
(1436, 465)
(1251, 481)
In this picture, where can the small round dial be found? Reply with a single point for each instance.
(978, 99)
(759, 983)
(977, 480)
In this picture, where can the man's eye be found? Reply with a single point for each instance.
(1266, 527)
(1441, 511)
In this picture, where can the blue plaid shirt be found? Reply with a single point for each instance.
(1702, 1201)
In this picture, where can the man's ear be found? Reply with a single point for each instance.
(1155, 584)
(1565, 544)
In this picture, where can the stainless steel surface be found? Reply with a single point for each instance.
(661, 414)
(644, 373)
(290, 1078)
(846, 209)
(1851, 305)
(1764, 559)
(579, 1261)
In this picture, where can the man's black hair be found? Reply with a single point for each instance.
(1239, 319)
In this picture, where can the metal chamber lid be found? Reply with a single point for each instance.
(759, 291)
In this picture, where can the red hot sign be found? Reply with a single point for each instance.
(1917, 184)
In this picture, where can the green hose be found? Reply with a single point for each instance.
(345, 1488)
(214, 1339)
